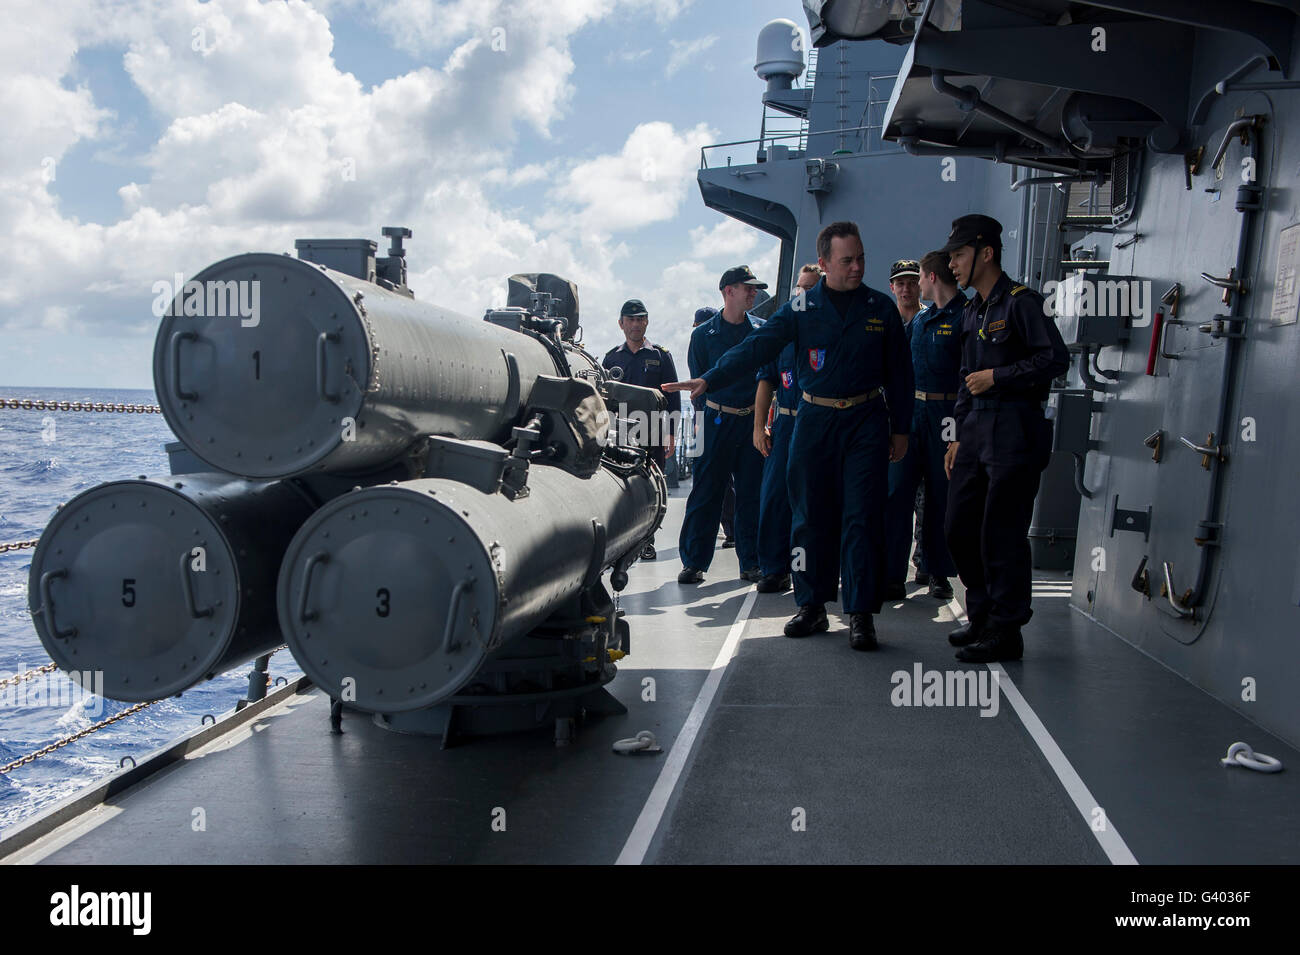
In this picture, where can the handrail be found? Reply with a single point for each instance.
(765, 139)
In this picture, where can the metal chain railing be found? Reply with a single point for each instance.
(40, 404)
(29, 675)
(59, 744)
(19, 545)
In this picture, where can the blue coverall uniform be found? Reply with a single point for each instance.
(774, 498)
(726, 449)
(649, 366)
(1005, 444)
(935, 338)
(837, 470)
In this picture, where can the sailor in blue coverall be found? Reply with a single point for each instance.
(777, 386)
(726, 448)
(1011, 352)
(855, 378)
(638, 362)
(935, 337)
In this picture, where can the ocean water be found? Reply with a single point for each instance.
(46, 458)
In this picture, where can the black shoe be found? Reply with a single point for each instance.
(810, 619)
(862, 632)
(728, 542)
(940, 588)
(894, 592)
(774, 584)
(753, 575)
(921, 578)
(968, 633)
(998, 643)
(690, 575)
(648, 552)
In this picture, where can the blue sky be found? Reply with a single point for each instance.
(148, 137)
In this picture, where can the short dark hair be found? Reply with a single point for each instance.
(995, 246)
(937, 262)
(842, 228)
(812, 267)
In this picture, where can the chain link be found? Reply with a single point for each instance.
(29, 675)
(40, 404)
(59, 744)
(19, 545)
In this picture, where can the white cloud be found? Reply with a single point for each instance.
(729, 239)
(264, 140)
(685, 51)
(644, 183)
(627, 56)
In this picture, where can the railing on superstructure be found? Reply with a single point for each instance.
(873, 113)
(792, 133)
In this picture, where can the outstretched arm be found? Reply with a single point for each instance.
(695, 386)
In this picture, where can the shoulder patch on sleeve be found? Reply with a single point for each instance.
(1017, 289)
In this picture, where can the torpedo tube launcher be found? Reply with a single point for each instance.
(420, 504)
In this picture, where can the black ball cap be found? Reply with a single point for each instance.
(904, 268)
(632, 306)
(740, 275)
(702, 315)
(972, 229)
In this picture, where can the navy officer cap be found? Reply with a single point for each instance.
(972, 230)
(740, 275)
(904, 268)
(702, 315)
(632, 306)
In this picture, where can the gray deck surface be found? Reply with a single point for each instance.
(797, 724)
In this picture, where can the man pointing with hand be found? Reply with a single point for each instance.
(854, 372)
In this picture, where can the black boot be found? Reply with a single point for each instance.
(862, 632)
(966, 634)
(810, 619)
(940, 588)
(996, 643)
(774, 584)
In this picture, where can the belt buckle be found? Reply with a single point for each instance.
(744, 411)
(841, 402)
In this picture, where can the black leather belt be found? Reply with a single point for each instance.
(933, 396)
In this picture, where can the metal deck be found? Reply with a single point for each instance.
(795, 725)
